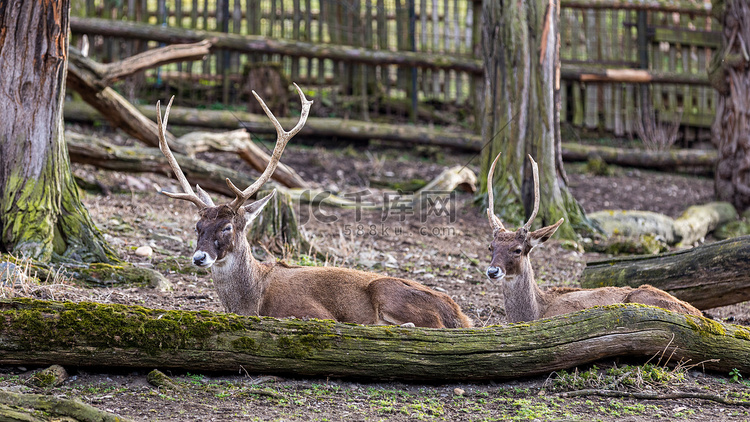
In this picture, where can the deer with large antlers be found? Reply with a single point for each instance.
(246, 286)
(524, 300)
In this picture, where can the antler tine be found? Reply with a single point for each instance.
(281, 140)
(494, 220)
(188, 194)
(535, 171)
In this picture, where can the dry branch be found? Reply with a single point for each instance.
(84, 334)
(706, 276)
(238, 141)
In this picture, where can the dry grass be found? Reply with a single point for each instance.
(657, 135)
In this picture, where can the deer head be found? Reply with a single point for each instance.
(510, 249)
(222, 228)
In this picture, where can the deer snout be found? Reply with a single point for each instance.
(495, 273)
(201, 259)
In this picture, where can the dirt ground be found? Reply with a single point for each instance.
(447, 253)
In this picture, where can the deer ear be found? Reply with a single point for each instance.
(542, 235)
(254, 209)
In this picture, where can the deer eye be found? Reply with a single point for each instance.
(227, 228)
(517, 251)
(490, 248)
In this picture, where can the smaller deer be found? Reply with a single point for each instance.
(246, 286)
(524, 300)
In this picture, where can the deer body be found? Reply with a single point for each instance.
(246, 286)
(525, 301)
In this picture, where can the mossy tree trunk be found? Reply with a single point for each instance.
(90, 334)
(41, 215)
(521, 57)
(729, 73)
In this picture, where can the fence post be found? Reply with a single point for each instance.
(642, 28)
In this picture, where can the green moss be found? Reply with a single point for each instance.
(742, 333)
(245, 343)
(705, 326)
(301, 346)
(126, 326)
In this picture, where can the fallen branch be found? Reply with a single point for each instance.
(102, 154)
(655, 396)
(408, 135)
(238, 142)
(707, 276)
(83, 334)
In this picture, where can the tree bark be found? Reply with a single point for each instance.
(521, 55)
(707, 276)
(730, 74)
(86, 334)
(41, 215)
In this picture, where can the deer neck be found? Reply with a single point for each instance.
(240, 281)
(524, 300)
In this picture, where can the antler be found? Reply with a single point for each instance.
(281, 140)
(202, 201)
(535, 171)
(494, 220)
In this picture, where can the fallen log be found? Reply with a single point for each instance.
(628, 157)
(46, 408)
(408, 135)
(91, 334)
(96, 151)
(707, 276)
(315, 127)
(691, 227)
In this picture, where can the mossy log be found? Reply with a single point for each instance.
(707, 276)
(87, 334)
(692, 226)
(45, 408)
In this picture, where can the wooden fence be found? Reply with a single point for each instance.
(594, 37)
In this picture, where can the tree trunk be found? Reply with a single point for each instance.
(41, 215)
(706, 276)
(521, 58)
(88, 334)
(730, 75)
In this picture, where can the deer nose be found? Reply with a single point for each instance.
(495, 273)
(199, 259)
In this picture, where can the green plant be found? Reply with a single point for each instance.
(734, 375)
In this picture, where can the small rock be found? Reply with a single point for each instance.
(53, 376)
(144, 251)
(459, 391)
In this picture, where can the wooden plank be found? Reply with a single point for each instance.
(686, 36)
(697, 7)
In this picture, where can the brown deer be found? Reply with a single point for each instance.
(246, 286)
(524, 300)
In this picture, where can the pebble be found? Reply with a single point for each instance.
(458, 391)
(144, 251)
